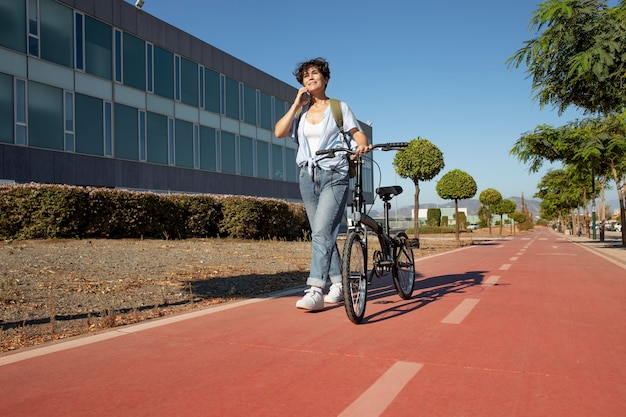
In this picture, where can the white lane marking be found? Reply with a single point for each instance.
(378, 396)
(514, 258)
(133, 328)
(519, 253)
(457, 315)
(505, 267)
(492, 280)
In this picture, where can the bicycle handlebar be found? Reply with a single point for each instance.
(393, 146)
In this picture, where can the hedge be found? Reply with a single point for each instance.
(37, 211)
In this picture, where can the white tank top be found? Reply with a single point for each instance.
(313, 134)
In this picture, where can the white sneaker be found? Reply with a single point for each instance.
(335, 294)
(312, 300)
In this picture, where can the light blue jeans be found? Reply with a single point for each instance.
(324, 195)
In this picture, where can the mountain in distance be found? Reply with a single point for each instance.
(472, 206)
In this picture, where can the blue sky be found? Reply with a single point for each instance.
(434, 69)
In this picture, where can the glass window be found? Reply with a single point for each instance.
(211, 90)
(201, 86)
(98, 48)
(13, 25)
(280, 107)
(277, 162)
(89, 124)
(228, 155)
(33, 27)
(21, 126)
(189, 82)
(262, 159)
(149, 67)
(184, 144)
(79, 47)
(171, 142)
(7, 116)
(142, 128)
(232, 98)
(246, 156)
(57, 44)
(177, 77)
(291, 168)
(126, 132)
(249, 107)
(207, 148)
(157, 138)
(265, 111)
(134, 60)
(108, 128)
(163, 73)
(118, 62)
(45, 116)
(68, 117)
(196, 146)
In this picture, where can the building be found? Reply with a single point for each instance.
(99, 93)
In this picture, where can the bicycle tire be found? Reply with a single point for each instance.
(354, 277)
(403, 270)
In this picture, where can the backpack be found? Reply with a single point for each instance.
(335, 108)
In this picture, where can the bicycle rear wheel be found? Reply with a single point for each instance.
(354, 277)
(403, 271)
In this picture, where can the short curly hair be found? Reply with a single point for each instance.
(320, 63)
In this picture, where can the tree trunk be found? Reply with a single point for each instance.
(456, 216)
(416, 211)
(620, 197)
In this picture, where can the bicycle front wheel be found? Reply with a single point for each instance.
(403, 271)
(354, 277)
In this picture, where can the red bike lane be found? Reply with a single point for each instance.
(523, 327)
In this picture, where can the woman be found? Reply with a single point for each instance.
(323, 182)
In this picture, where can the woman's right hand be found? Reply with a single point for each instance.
(303, 97)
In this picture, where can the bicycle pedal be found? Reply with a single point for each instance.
(414, 243)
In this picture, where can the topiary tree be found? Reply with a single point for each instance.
(488, 198)
(433, 217)
(503, 207)
(419, 161)
(456, 185)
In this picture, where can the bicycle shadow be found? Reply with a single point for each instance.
(426, 291)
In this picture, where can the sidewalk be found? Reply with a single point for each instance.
(611, 248)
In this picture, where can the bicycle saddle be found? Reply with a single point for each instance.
(389, 191)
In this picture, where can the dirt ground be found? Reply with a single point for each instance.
(54, 289)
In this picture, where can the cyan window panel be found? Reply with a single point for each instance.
(45, 116)
(189, 82)
(47, 73)
(229, 125)
(231, 90)
(157, 138)
(207, 149)
(98, 48)
(211, 90)
(134, 62)
(265, 111)
(277, 163)
(160, 105)
(228, 153)
(57, 36)
(13, 63)
(291, 168)
(247, 130)
(93, 86)
(246, 156)
(279, 109)
(186, 112)
(184, 144)
(126, 132)
(209, 119)
(249, 105)
(13, 25)
(163, 73)
(262, 159)
(89, 122)
(130, 96)
(7, 124)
